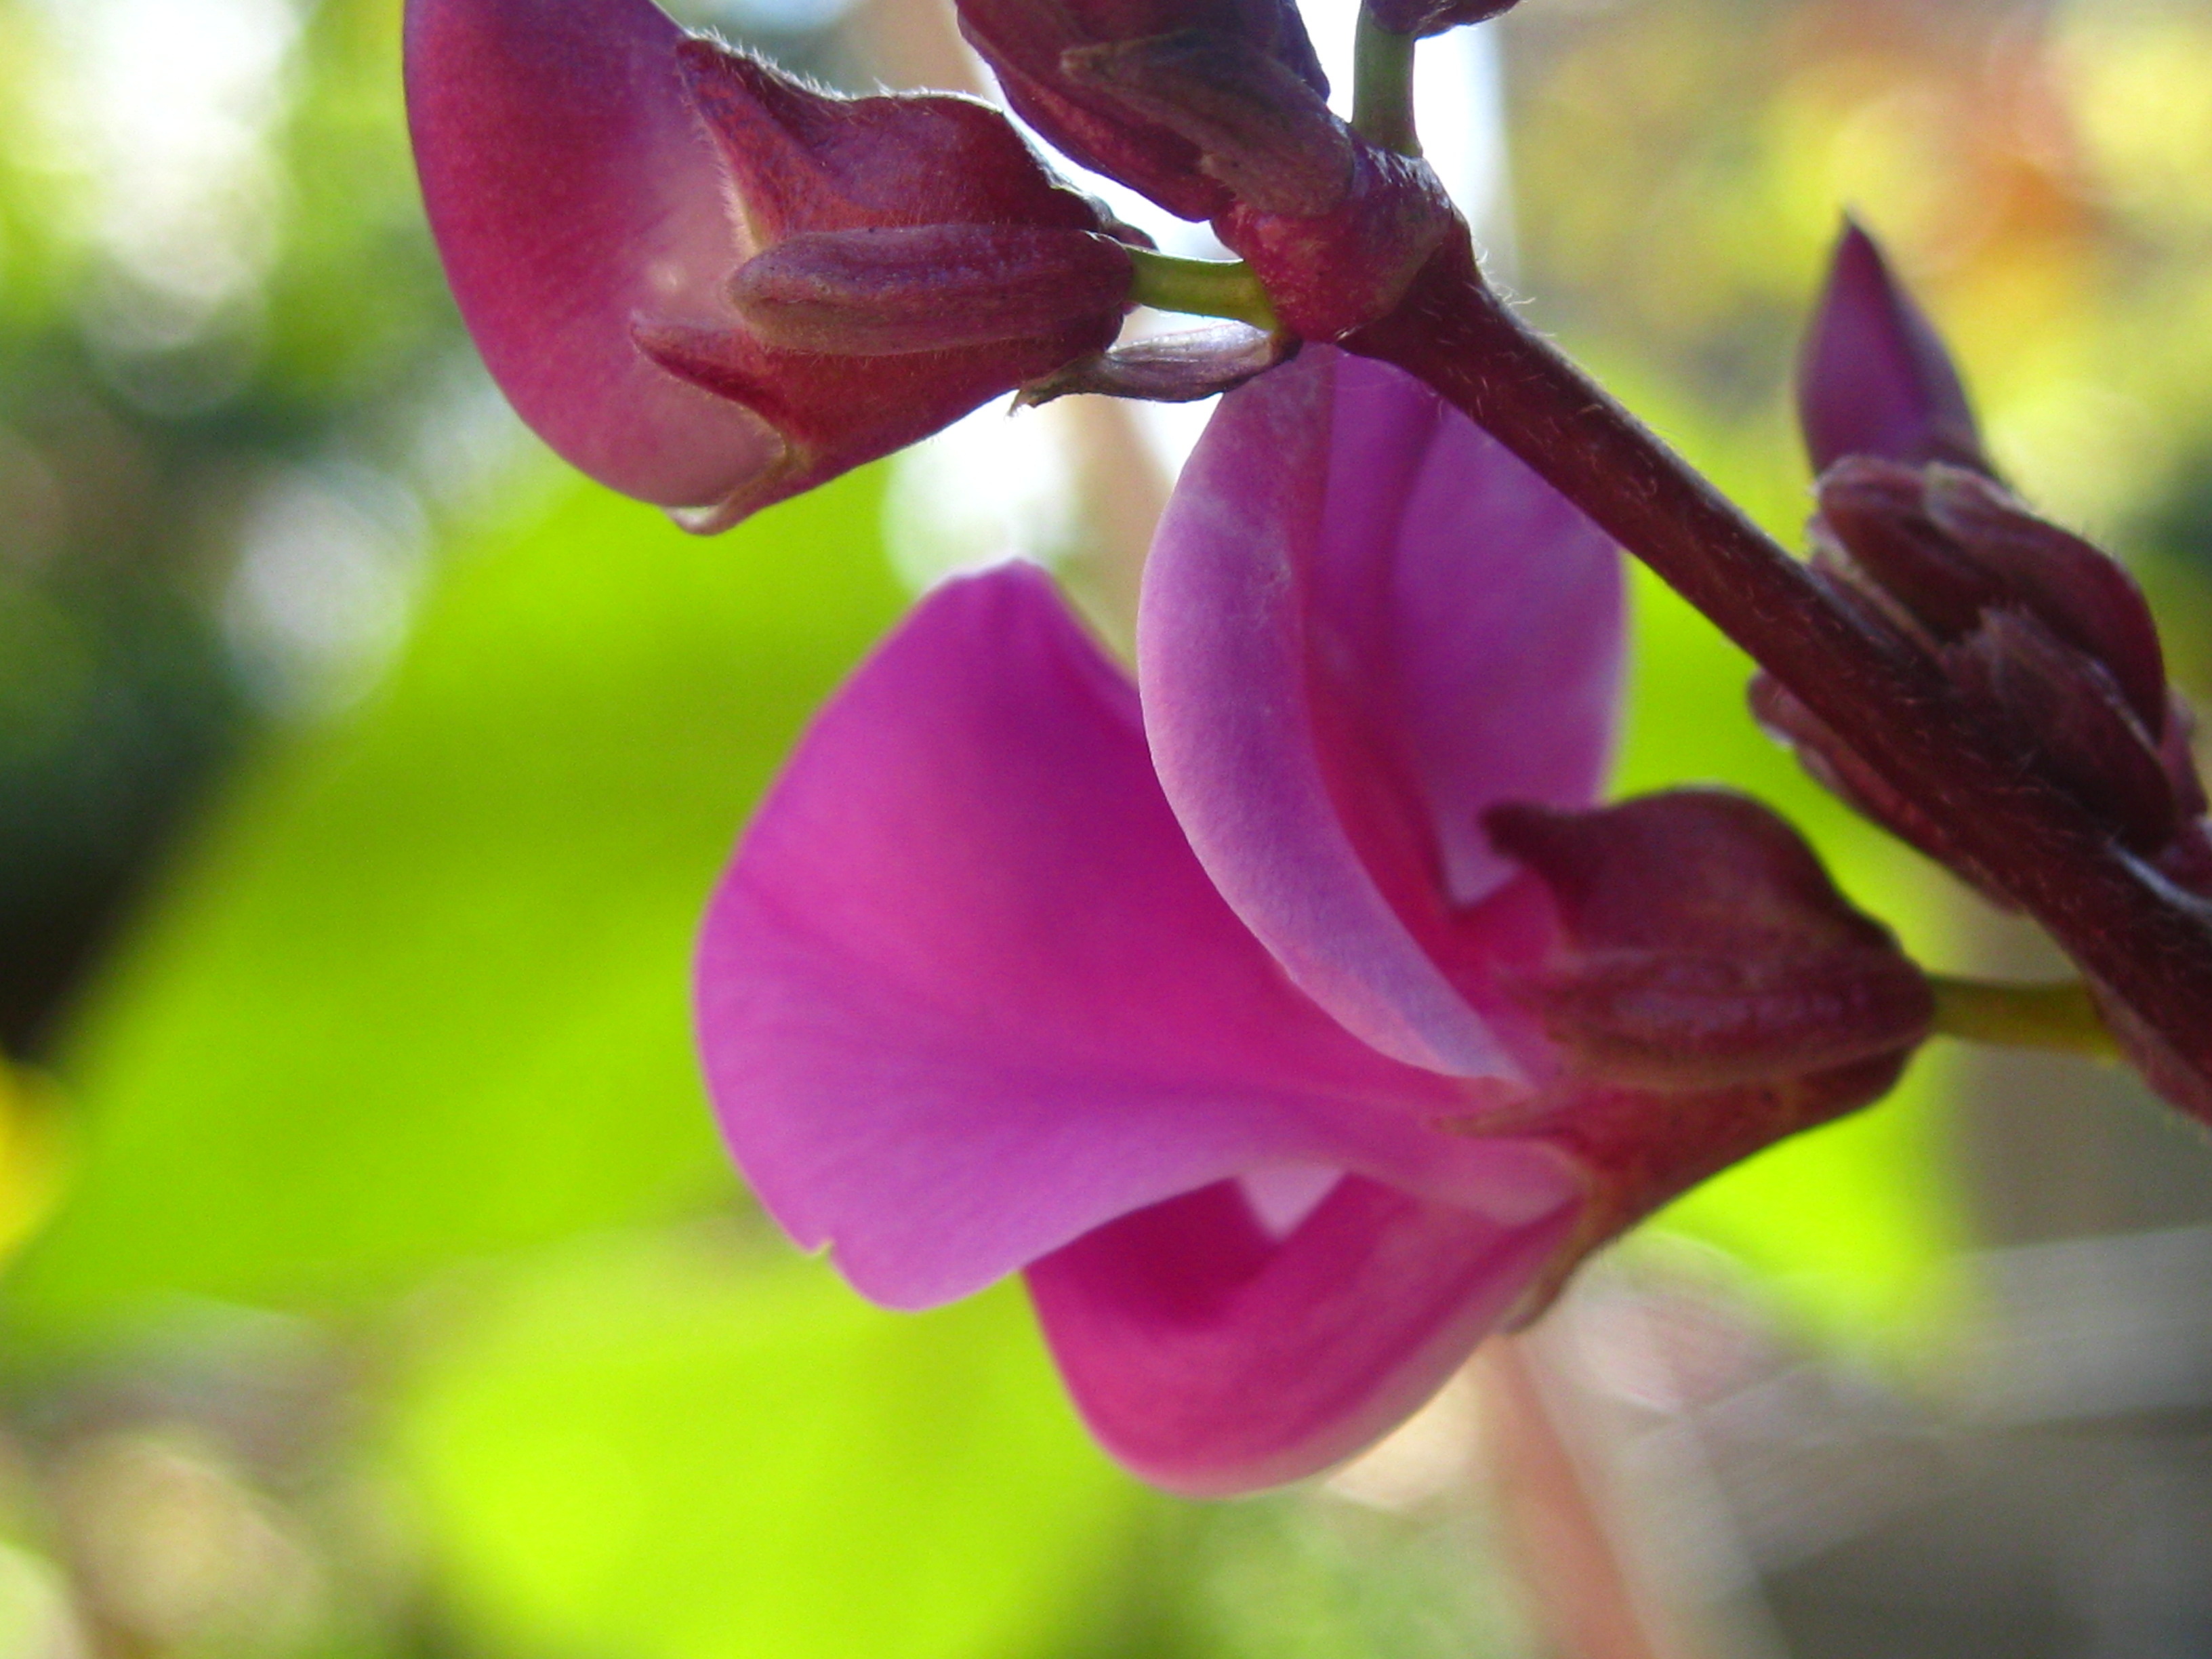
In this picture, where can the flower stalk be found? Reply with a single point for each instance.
(2061, 1018)
(1201, 288)
(1382, 86)
(2136, 931)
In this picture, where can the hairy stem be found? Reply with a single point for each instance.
(1382, 87)
(1205, 288)
(2145, 939)
(2063, 1016)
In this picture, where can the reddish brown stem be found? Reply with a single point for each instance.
(2148, 940)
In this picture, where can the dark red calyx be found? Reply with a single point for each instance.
(929, 287)
(1330, 274)
(1702, 946)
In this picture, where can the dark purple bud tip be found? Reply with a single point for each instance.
(1874, 378)
(1702, 946)
(1257, 125)
(929, 287)
(1169, 368)
(1425, 17)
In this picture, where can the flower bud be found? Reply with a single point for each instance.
(2060, 713)
(1258, 128)
(1702, 946)
(1177, 99)
(1873, 378)
(2081, 595)
(844, 275)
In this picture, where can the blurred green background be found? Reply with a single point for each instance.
(377, 1287)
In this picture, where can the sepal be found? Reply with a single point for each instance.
(1331, 273)
(1702, 946)
(928, 288)
(1169, 368)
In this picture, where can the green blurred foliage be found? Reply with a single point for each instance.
(671, 1448)
(420, 988)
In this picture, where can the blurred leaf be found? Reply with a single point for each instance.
(1858, 1221)
(658, 1449)
(423, 990)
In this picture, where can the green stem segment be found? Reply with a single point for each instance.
(1382, 87)
(2061, 1016)
(1207, 287)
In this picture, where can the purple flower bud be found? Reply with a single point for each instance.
(1096, 76)
(1702, 946)
(1947, 545)
(1874, 512)
(1874, 378)
(2062, 713)
(1258, 128)
(599, 250)
(1426, 17)
(2081, 595)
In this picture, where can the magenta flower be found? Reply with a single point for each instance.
(713, 287)
(1207, 1001)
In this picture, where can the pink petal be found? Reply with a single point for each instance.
(1212, 1360)
(965, 994)
(572, 192)
(1364, 623)
(1874, 378)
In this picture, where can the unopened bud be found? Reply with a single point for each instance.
(1875, 511)
(1054, 59)
(1874, 378)
(2062, 713)
(1256, 124)
(2081, 593)
(1702, 946)
(1950, 545)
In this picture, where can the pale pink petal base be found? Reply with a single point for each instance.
(965, 994)
(1364, 623)
(1212, 1360)
(571, 193)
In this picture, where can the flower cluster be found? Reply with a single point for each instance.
(1292, 1015)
